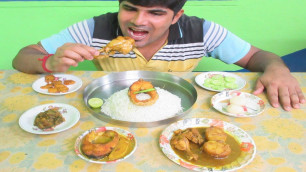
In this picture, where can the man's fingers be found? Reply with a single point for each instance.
(285, 98)
(273, 96)
(78, 52)
(294, 97)
(72, 54)
(68, 61)
(301, 96)
(86, 52)
(62, 64)
(259, 88)
(93, 52)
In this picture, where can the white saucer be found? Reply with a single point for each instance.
(70, 113)
(253, 104)
(200, 79)
(72, 88)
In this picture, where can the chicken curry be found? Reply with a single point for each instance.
(209, 147)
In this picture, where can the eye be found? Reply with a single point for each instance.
(129, 8)
(157, 13)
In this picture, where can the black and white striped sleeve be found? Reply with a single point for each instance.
(214, 34)
(82, 32)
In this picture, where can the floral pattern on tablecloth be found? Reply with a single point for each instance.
(279, 136)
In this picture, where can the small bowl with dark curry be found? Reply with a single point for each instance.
(105, 145)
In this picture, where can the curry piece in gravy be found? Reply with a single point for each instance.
(181, 141)
(213, 149)
(215, 134)
(217, 149)
(216, 145)
(106, 145)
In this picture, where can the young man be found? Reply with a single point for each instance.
(166, 40)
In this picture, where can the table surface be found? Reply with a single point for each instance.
(279, 135)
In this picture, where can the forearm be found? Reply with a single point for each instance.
(263, 61)
(27, 59)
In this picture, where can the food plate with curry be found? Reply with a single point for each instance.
(105, 145)
(57, 84)
(49, 118)
(203, 144)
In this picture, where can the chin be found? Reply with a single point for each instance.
(140, 44)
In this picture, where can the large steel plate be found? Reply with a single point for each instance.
(107, 85)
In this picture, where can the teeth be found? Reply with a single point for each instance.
(137, 30)
(137, 37)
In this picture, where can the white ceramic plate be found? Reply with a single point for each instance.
(246, 142)
(78, 151)
(70, 113)
(200, 79)
(253, 104)
(72, 88)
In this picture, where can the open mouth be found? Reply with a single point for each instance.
(137, 34)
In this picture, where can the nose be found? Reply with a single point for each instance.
(139, 18)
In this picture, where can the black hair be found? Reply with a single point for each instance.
(174, 5)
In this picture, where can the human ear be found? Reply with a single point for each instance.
(177, 16)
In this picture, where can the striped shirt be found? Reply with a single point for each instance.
(190, 39)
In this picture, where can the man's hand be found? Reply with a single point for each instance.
(282, 88)
(70, 54)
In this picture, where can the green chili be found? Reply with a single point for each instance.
(144, 91)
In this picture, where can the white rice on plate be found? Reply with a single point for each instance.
(118, 106)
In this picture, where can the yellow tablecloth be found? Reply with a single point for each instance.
(279, 135)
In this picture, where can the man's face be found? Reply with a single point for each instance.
(146, 25)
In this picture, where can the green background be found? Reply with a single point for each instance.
(273, 25)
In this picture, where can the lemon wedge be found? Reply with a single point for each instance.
(95, 102)
(120, 150)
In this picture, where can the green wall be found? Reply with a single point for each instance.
(277, 26)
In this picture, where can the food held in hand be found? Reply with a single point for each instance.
(55, 85)
(106, 145)
(140, 86)
(220, 82)
(120, 44)
(48, 119)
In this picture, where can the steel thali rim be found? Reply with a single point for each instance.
(105, 86)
